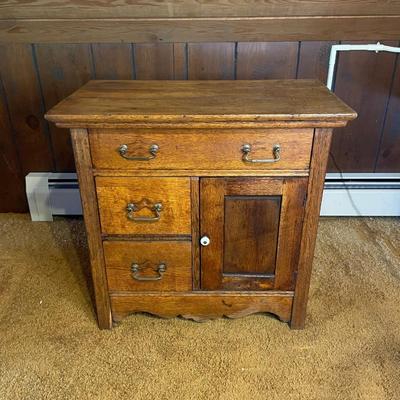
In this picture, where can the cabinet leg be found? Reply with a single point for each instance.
(298, 322)
(319, 159)
(80, 144)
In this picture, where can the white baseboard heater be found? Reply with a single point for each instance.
(361, 195)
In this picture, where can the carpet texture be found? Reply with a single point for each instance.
(51, 348)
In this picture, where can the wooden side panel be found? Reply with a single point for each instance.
(12, 193)
(319, 159)
(112, 60)
(314, 60)
(81, 148)
(211, 60)
(62, 69)
(251, 234)
(389, 152)
(174, 256)
(363, 81)
(154, 61)
(22, 90)
(269, 60)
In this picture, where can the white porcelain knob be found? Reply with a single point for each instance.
(205, 241)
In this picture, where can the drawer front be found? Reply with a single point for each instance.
(148, 266)
(141, 206)
(240, 149)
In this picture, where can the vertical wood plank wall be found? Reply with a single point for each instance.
(34, 77)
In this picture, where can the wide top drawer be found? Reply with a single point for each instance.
(222, 149)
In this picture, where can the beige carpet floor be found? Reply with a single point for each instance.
(50, 347)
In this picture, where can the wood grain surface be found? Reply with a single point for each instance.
(154, 61)
(319, 159)
(213, 219)
(205, 149)
(37, 152)
(388, 159)
(222, 29)
(20, 9)
(114, 194)
(80, 144)
(62, 71)
(267, 60)
(195, 211)
(176, 256)
(201, 306)
(26, 108)
(200, 172)
(189, 101)
(364, 81)
(261, 230)
(113, 60)
(251, 234)
(211, 61)
(12, 191)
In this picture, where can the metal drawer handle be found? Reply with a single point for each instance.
(131, 208)
(123, 150)
(137, 268)
(276, 152)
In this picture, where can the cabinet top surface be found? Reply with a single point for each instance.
(130, 102)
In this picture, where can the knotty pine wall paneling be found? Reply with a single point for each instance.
(270, 60)
(26, 109)
(388, 159)
(113, 60)
(154, 61)
(35, 77)
(62, 70)
(314, 60)
(12, 193)
(211, 60)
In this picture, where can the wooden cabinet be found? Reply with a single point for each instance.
(201, 199)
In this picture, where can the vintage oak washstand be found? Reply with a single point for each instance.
(201, 198)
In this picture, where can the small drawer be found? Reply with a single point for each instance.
(144, 206)
(148, 266)
(235, 149)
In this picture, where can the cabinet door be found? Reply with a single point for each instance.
(254, 230)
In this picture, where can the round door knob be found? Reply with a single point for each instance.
(205, 241)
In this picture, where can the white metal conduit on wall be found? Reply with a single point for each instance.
(344, 195)
(377, 47)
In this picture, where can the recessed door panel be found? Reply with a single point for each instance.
(254, 230)
(251, 234)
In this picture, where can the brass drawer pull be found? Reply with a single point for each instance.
(131, 208)
(137, 268)
(123, 150)
(276, 152)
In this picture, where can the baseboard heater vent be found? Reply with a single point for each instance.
(51, 194)
(363, 195)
